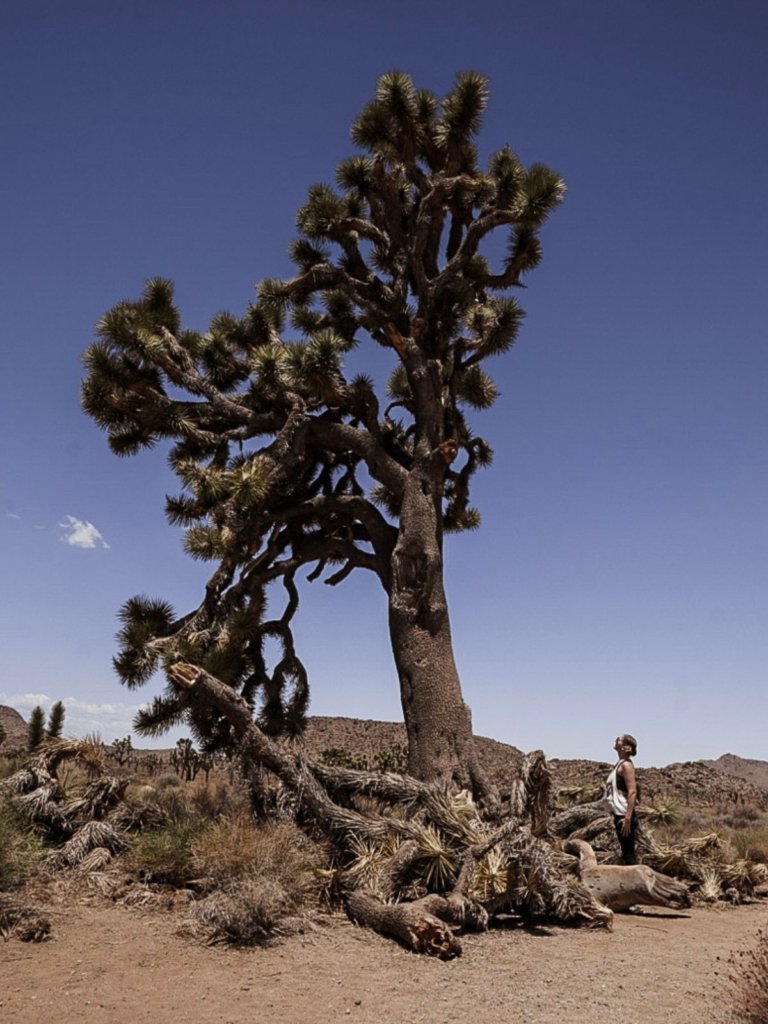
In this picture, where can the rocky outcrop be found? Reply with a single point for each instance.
(15, 729)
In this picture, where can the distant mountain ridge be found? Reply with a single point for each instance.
(729, 779)
(695, 783)
(748, 768)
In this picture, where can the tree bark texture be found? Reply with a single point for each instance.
(438, 722)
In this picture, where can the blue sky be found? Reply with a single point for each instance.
(620, 580)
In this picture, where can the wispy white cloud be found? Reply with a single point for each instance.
(81, 534)
(110, 720)
(12, 515)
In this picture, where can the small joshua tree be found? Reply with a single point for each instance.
(122, 750)
(36, 730)
(56, 721)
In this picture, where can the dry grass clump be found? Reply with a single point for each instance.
(234, 848)
(259, 874)
(23, 921)
(748, 983)
(216, 799)
(752, 844)
(164, 853)
(21, 850)
(244, 913)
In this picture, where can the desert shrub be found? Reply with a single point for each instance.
(11, 761)
(392, 759)
(663, 810)
(260, 874)
(164, 853)
(752, 844)
(340, 757)
(168, 780)
(216, 799)
(172, 799)
(236, 847)
(748, 983)
(244, 913)
(748, 812)
(21, 850)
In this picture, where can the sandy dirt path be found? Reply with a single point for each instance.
(125, 966)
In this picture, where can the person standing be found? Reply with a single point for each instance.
(621, 794)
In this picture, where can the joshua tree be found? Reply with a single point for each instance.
(185, 759)
(56, 721)
(286, 463)
(122, 750)
(36, 728)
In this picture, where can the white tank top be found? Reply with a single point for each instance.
(613, 794)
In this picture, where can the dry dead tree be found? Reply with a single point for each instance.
(620, 886)
(426, 924)
(420, 863)
(81, 823)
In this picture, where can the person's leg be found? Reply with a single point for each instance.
(627, 843)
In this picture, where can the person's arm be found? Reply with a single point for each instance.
(628, 774)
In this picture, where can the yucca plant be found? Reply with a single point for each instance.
(491, 876)
(744, 876)
(663, 811)
(368, 858)
(437, 861)
(710, 883)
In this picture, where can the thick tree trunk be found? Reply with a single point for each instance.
(438, 722)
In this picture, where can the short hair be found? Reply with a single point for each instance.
(631, 742)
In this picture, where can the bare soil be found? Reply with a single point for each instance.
(125, 965)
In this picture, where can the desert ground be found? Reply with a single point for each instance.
(126, 965)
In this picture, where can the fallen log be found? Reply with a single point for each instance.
(414, 924)
(620, 887)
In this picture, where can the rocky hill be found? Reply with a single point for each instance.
(728, 780)
(695, 783)
(365, 739)
(15, 729)
(747, 768)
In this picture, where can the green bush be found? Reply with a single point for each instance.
(752, 844)
(392, 759)
(164, 853)
(20, 849)
(340, 757)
